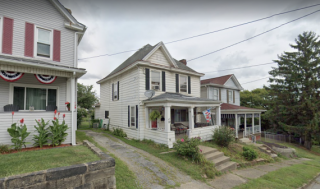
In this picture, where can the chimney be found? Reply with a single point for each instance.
(69, 10)
(183, 61)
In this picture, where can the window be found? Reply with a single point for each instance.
(183, 84)
(43, 43)
(155, 80)
(115, 91)
(34, 98)
(133, 116)
(213, 93)
(180, 115)
(230, 96)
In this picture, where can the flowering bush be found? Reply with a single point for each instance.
(58, 131)
(189, 147)
(43, 133)
(223, 136)
(68, 105)
(18, 134)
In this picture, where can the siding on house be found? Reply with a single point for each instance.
(159, 58)
(41, 13)
(61, 82)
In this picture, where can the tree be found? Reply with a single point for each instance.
(295, 87)
(86, 96)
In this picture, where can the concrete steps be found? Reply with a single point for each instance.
(266, 149)
(222, 163)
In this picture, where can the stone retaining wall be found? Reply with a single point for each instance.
(93, 175)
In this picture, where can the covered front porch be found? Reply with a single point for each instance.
(181, 116)
(246, 121)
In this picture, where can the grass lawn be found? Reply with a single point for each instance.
(184, 164)
(30, 161)
(85, 124)
(125, 178)
(289, 177)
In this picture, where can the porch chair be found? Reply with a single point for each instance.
(11, 108)
(51, 108)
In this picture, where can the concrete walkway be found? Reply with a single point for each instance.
(151, 172)
(241, 176)
(315, 184)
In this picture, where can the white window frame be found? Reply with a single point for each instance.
(11, 93)
(180, 120)
(211, 90)
(180, 83)
(1, 28)
(133, 124)
(115, 91)
(35, 46)
(230, 99)
(151, 76)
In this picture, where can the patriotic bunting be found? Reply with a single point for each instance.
(10, 76)
(45, 79)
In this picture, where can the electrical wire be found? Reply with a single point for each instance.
(254, 80)
(241, 67)
(211, 31)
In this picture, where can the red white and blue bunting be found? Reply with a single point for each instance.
(10, 76)
(45, 79)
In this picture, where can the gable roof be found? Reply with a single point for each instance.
(140, 56)
(217, 80)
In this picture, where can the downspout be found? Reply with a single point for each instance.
(73, 89)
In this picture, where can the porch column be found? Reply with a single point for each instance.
(245, 124)
(167, 118)
(146, 109)
(191, 117)
(252, 123)
(218, 116)
(236, 124)
(260, 122)
(72, 108)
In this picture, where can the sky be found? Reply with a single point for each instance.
(117, 26)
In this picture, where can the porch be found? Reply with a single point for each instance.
(181, 115)
(246, 121)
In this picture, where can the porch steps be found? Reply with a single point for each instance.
(222, 163)
(266, 149)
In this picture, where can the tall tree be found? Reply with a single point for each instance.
(257, 98)
(295, 87)
(86, 96)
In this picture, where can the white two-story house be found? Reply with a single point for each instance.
(38, 64)
(125, 97)
(227, 90)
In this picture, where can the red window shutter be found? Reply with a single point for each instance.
(7, 35)
(29, 40)
(56, 45)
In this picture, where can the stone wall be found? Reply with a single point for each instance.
(93, 175)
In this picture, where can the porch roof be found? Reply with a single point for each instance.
(180, 98)
(233, 108)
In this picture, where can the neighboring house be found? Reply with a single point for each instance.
(38, 64)
(177, 97)
(227, 89)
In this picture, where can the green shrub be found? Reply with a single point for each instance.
(43, 133)
(4, 148)
(58, 132)
(81, 112)
(189, 147)
(18, 134)
(154, 115)
(223, 136)
(249, 153)
(119, 132)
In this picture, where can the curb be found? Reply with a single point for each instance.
(310, 182)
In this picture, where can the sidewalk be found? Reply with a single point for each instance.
(241, 176)
(315, 184)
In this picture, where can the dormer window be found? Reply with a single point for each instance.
(183, 83)
(43, 43)
(155, 80)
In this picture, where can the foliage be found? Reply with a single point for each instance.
(18, 134)
(94, 121)
(58, 132)
(43, 133)
(189, 147)
(86, 96)
(294, 89)
(249, 153)
(119, 132)
(81, 112)
(223, 136)
(4, 148)
(154, 115)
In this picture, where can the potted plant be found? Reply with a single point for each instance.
(154, 115)
(68, 105)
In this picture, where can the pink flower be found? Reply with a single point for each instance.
(54, 118)
(22, 121)
(55, 112)
(38, 120)
(182, 140)
(12, 113)
(200, 150)
(64, 115)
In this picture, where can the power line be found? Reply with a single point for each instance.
(253, 36)
(242, 67)
(211, 31)
(255, 80)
